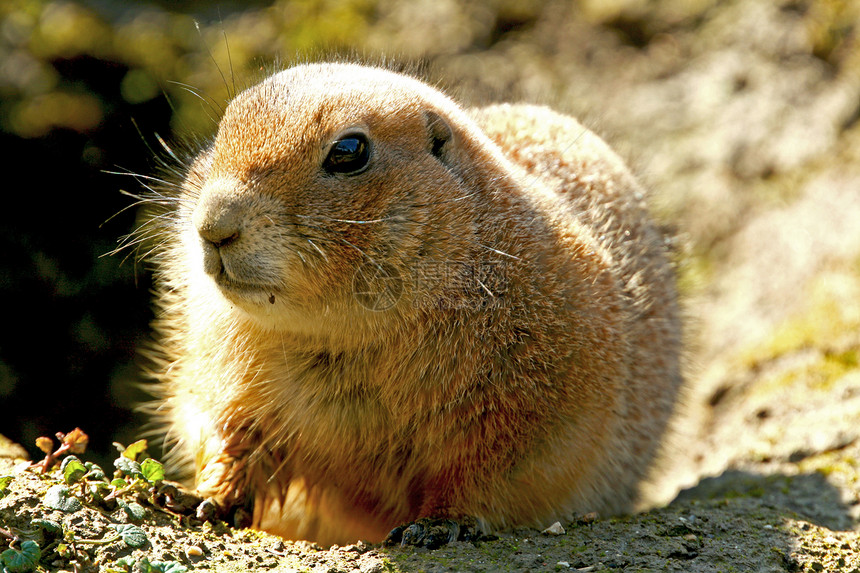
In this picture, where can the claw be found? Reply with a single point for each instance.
(414, 535)
(395, 536)
(176, 498)
(432, 533)
(207, 510)
(441, 533)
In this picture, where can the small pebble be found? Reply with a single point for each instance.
(554, 529)
(193, 551)
(358, 547)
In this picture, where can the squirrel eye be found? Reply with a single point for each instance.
(348, 156)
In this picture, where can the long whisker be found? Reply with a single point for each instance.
(212, 104)
(141, 177)
(399, 219)
(314, 245)
(340, 239)
(229, 60)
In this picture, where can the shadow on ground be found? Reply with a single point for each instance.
(810, 496)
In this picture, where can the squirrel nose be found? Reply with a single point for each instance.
(220, 233)
(218, 219)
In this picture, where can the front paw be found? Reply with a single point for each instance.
(434, 532)
(177, 498)
(180, 500)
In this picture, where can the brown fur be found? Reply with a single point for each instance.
(526, 371)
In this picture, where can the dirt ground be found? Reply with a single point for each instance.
(742, 117)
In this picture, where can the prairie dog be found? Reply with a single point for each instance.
(377, 306)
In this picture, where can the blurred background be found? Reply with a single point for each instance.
(741, 116)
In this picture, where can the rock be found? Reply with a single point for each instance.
(554, 529)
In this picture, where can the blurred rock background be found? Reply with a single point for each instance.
(741, 116)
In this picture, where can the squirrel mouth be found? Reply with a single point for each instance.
(247, 291)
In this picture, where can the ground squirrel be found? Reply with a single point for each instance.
(376, 306)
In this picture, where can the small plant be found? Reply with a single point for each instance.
(146, 566)
(59, 497)
(88, 483)
(4, 485)
(131, 535)
(75, 442)
(22, 555)
(15, 560)
(137, 477)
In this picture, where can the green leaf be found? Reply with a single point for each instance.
(134, 510)
(125, 564)
(21, 560)
(119, 483)
(4, 485)
(73, 470)
(95, 472)
(127, 466)
(59, 497)
(133, 535)
(167, 567)
(152, 470)
(134, 450)
(98, 490)
(49, 526)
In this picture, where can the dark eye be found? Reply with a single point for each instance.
(349, 155)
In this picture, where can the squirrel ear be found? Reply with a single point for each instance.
(439, 133)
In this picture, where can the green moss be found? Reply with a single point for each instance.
(817, 346)
(832, 313)
(694, 273)
(825, 470)
(756, 492)
(806, 331)
(832, 367)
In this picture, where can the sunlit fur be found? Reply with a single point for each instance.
(516, 401)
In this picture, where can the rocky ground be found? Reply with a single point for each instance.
(742, 118)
